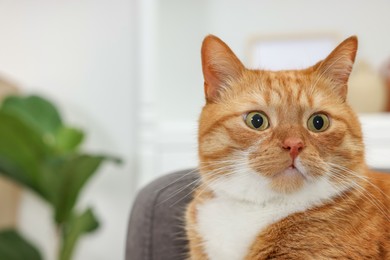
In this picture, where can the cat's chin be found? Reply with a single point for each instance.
(289, 180)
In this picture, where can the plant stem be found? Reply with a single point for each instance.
(59, 238)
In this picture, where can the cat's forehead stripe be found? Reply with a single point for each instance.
(285, 88)
(275, 94)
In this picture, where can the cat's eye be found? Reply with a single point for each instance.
(318, 123)
(257, 121)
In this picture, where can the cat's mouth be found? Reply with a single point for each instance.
(291, 171)
(294, 168)
(288, 180)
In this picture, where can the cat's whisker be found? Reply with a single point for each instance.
(173, 194)
(224, 170)
(362, 177)
(212, 176)
(344, 191)
(203, 165)
(220, 170)
(185, 196)
(365, 193)
(179, 178)
(205, 188)
(216, 172)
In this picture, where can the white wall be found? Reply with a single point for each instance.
(80, 53)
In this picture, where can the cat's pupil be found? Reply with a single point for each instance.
(257, 121)
(318, 122)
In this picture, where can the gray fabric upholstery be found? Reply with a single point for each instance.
(156, 227)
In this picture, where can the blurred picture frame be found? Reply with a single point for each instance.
(290, 50)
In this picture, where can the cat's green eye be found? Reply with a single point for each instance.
(257, 121)
(318, 123)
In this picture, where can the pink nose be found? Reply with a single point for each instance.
(293, 145)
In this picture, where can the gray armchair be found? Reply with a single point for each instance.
(156, 227)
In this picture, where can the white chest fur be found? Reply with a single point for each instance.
(229, 227)
(243, 206)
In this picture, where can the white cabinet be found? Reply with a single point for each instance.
(376, 131)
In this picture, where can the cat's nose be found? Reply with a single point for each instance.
(294, 145)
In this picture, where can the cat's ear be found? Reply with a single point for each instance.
(338, 65)
(220, 65)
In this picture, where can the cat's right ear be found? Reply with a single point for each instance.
(337, 66)
(220, 66)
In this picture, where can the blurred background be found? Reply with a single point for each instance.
(128, 72)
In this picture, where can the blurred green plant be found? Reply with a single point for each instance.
(40, 152)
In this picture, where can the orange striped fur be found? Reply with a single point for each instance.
(352, 222)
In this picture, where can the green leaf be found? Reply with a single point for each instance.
(38, 151)
(22, 151)
(74, 229)
(14, 247)
(35, 111)
(73, 173)
(68, 139)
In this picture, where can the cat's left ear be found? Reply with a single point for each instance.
(220, 65)
(338, 65)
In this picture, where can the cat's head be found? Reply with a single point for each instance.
(273, 133)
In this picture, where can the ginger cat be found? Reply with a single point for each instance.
(282, 165)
